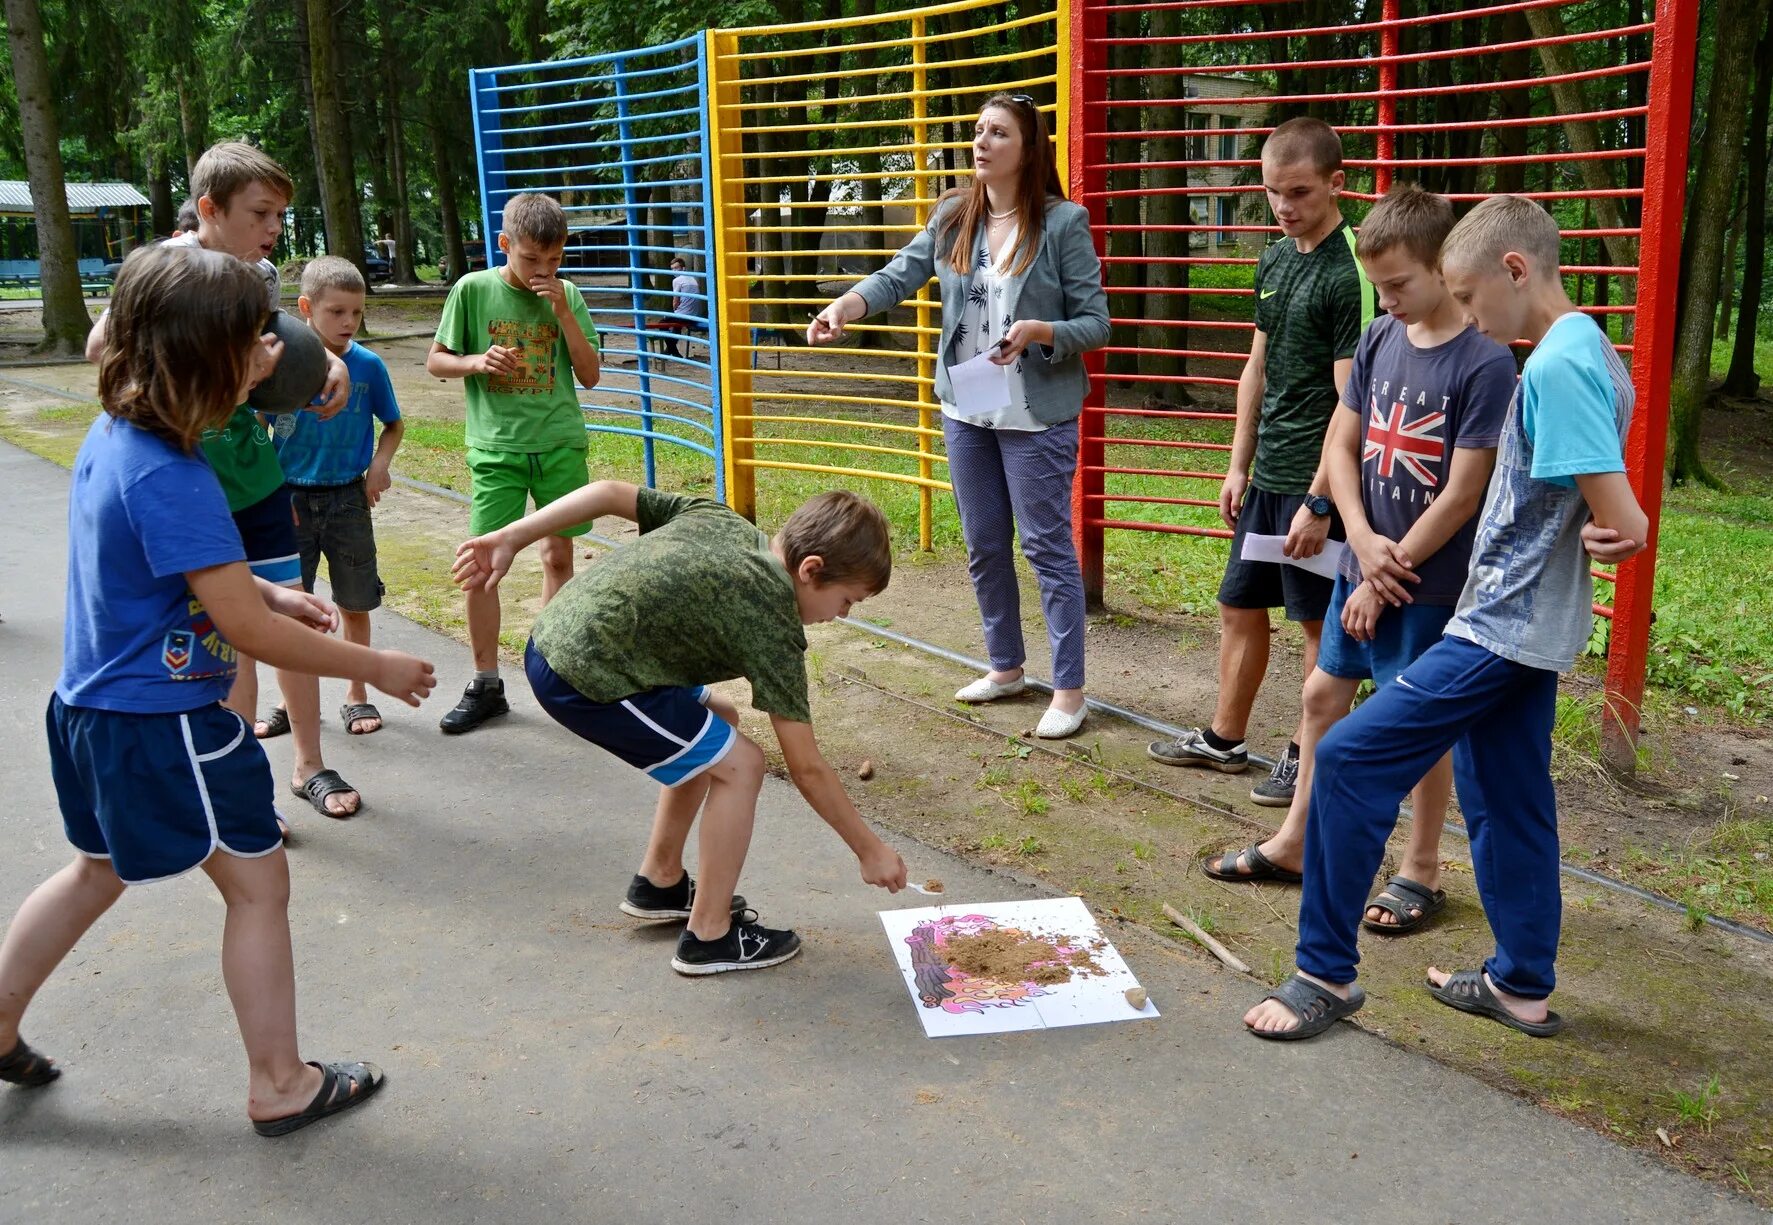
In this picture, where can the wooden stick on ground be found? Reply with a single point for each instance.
(1207, 942)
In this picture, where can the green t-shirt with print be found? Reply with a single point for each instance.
(1312, 306)
(244, 460)
(698, 598)
(537, 408)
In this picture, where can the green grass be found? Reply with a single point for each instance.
(1698, 1109)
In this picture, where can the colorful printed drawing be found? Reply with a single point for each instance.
(940, 985)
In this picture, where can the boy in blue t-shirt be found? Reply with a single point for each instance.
(153, 775)
(337, 470)
(1488, 690)
(1407, 464)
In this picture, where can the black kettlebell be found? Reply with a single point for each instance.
(299, 374)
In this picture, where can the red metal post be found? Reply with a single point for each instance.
(1087, 154)
(1669, 127)
(1386, 141)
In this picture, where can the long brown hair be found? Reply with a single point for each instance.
(178, 340)
(1038, 182)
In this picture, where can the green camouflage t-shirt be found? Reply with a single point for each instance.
(537, 408)
(1313, 308)
(698, 598)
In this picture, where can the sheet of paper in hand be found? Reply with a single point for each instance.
(980, 386)
(1268, 548)
(1001, 966)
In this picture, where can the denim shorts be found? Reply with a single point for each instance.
(333, 521)
(1402, 636)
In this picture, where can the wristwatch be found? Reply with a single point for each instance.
(1319, 505)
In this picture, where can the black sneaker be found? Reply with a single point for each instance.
(747, 945)
(649, 902)
(1276, 791)
(1191, 749)
(481, 700)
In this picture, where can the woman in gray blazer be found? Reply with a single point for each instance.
(1022, 295)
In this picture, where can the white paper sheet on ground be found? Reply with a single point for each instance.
(981, 387)
(951, 1004)
(1268, 548)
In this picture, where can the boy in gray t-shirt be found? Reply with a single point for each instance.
(1487, 690)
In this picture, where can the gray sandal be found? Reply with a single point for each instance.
(1316, 1008)
(321, 784)
(1262, 868)
(352, 712)
(1410, 902)
(1468, 992)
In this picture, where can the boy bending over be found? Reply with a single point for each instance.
(623, 657)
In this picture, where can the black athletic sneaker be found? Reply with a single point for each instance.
(482, 700)
(1191, 749)
(1276, 791)
(747, 945)
(649, 902)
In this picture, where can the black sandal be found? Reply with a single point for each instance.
(1468, 992)
(1410, 902)
(1261, 868)
(26, 1068)
(321, 784)
(351, 712)
(342, 1086)
(1316, 1009)
(277, 725)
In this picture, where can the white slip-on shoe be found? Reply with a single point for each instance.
(1057, 725)
(987, 690)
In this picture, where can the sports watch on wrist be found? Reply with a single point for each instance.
(1318, 504)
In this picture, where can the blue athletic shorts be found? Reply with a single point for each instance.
(1399, 640)
(668, 732)
(268, 531)
(159, 794)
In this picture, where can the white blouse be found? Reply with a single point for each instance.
(985, 321)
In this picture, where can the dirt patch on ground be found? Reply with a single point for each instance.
(1011, 955)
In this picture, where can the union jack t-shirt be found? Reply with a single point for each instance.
(1418, 405)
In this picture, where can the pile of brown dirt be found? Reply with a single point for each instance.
(1011, 955)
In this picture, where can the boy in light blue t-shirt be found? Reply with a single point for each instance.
(1488, 689)
(337, 469)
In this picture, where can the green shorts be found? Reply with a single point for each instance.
(505, 480)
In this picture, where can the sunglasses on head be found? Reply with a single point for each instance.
(1024, 99)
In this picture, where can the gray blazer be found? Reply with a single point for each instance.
(1063, 286)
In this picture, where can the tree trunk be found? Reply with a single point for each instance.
(65, 321)
(1720, 157)
(1128, 243)
(402, 209)
(1162, 209)
(1727, 276)
(1743, 380)
(193, 113)
(305, 74)
(165, 212)
(1571, 99)
(344, 221)
(454, 255)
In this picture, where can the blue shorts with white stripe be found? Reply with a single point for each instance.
(667, 732)
(157, 794)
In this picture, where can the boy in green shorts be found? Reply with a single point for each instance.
(513, 333)
(624, 657)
